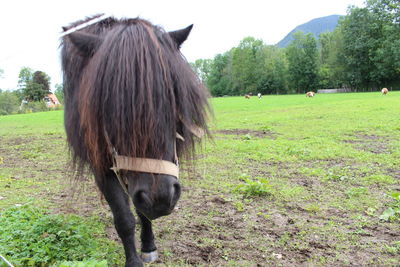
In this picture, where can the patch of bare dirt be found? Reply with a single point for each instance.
(394, 172)
(253, 133)
(369, 142)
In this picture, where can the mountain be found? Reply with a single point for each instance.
(315, 26)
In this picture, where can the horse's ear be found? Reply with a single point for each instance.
(85, 42)
(180, 36)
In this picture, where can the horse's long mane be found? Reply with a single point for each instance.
(136, 91)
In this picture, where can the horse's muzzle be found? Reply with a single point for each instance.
(158, 200)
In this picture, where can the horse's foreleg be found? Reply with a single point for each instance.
(149, 249)
(124, 220)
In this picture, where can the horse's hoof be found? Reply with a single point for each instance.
(149, 256)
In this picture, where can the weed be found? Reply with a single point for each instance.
(393, 248)
(393, 212)
(260, 187)
(247, 137)
(356, 192)
(370, 212)
(239, 206)
(312, 208)
(338, 175)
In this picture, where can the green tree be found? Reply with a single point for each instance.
(244, 65)
(219, 79)
(385, 10)
(302, 55)
(59, 92)
(34, 85)
(43, 79)
(24, 77)
(271, 70)
(360, 37)
(386, 56)
(371, 49)
(202, 68)
(331, 70)
(8, 102)
(34, 91)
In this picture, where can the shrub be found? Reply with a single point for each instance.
(34, 107)
(9, 103)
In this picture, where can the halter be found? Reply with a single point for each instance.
(147, 165)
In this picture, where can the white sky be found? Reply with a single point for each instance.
(30, 30)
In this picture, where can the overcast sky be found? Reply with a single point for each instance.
(30, 30)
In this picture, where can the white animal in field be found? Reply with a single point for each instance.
(384, 91)
(310, 94)
(259, 95)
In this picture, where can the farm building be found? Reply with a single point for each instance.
(51, 101)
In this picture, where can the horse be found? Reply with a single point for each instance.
(133, 107)
(310, 94)
(384, 91)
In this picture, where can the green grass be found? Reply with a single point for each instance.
(286, 181)
(31, 237)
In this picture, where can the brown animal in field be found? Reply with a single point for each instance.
(310, 94)
(247, 96)
(384, 91)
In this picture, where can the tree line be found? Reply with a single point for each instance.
(33, 87)
(362, 53)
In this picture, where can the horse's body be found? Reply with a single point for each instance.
(384, 91)
(310, 94)
(129, 90)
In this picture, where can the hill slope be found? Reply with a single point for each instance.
(315, 26)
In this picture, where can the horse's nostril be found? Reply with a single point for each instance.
(177, 191)
(142, 198)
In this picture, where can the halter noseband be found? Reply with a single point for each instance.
(147, 165)
(156, 166)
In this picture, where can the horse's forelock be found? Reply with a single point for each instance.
(139, 89)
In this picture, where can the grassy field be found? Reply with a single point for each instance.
(286, 181)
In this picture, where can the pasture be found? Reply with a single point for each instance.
(285, 181)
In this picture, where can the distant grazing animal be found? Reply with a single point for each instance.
(384, 91)
(310, 94)
(247, 96)
(133, 106)
(259, 95)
